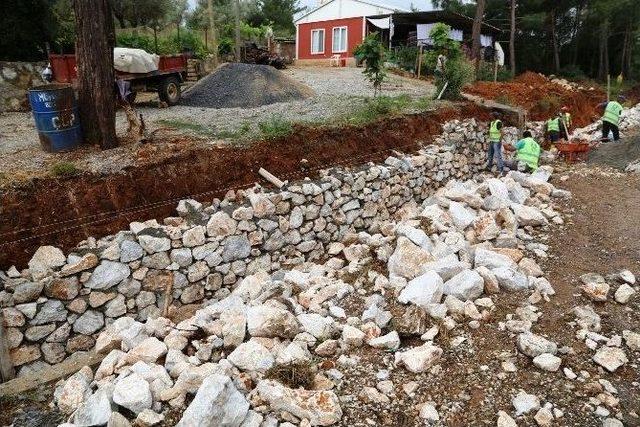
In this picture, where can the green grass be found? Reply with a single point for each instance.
(373, 109)
(275, 127)
(188, 126)
(64, 169)
(235, 134)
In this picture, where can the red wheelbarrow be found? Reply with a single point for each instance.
(575, 151)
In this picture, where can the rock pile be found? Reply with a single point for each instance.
(443, 262)
(58, 305)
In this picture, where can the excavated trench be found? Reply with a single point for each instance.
(64, 211)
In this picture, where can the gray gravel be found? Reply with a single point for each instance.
(245, 86)
(336, 90)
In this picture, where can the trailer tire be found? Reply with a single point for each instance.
(169, 90)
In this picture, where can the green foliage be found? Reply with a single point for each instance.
(173, 44)
(458, 73)
(374, 108)
(572, 72)
(404, 57)
(26, 26)
(275, 128)
(442, 45)
(485, 72)
(64, 169)
(373, 53)
(277, 14)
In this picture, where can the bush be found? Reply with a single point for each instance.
(136, 41)
(572, 72)
(442, 45)
(404, 57)
(458, 72)
(64, 169)
(485, 72)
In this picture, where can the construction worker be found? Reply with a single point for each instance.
(527, 154)
(565, 123)
(611, 118)
(495, 142)
(553, 129)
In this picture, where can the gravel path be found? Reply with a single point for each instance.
(337, 90)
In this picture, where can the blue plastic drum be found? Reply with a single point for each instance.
(55, 112)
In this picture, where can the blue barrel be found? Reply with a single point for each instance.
(55, 112)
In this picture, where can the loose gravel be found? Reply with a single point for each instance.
(245, 86)
(337, 91)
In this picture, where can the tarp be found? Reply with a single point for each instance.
(128, 60)
(382, 23)
(499, 54)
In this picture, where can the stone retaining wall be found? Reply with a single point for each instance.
(60, 303)
(16, 78)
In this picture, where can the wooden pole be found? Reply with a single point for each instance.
(7, 372)
(419, 61)
(608, 87)
(495, 70)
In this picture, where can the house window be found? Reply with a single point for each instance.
(339, 39)
(317, 41)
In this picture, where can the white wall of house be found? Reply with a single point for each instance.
(340, 9)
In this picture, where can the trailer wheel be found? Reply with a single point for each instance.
(169, 90)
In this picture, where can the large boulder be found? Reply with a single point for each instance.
(528, 215)
(467, 285)
(423, 290)
(491, 259)
(320, 407)
(217, 403)
(251, 356)
(407, 259)
(95, 410)
(133, 393)
(511, 279)
(447, 267)
(461, 216)
(271, 322)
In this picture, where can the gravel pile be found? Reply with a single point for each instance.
(617, 154)
(245, 86)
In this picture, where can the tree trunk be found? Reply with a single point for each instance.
(236, 12)
(554, 41)
(512, 39)
(624, 51)
(574, 35)
(476, 32)
(603, 62)
(94, 52)
(212, 28)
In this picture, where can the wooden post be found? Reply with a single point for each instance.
(495, 70)
(419, 61)
(155, 37)
(236, 13)
(7, 372)
(608, 87)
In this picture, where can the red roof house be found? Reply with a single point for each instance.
(334, 29)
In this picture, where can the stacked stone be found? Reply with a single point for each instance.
(16, 78)
(57, 306)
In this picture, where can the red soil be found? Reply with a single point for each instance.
(542, 98)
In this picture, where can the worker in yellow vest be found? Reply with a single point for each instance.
(565, 123)
(553, 129)
(611, 118)
(495, 142)
(527, 154)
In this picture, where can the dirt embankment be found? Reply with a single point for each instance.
(542, 98)
(65, 211)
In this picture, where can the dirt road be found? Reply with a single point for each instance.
(602, 235)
